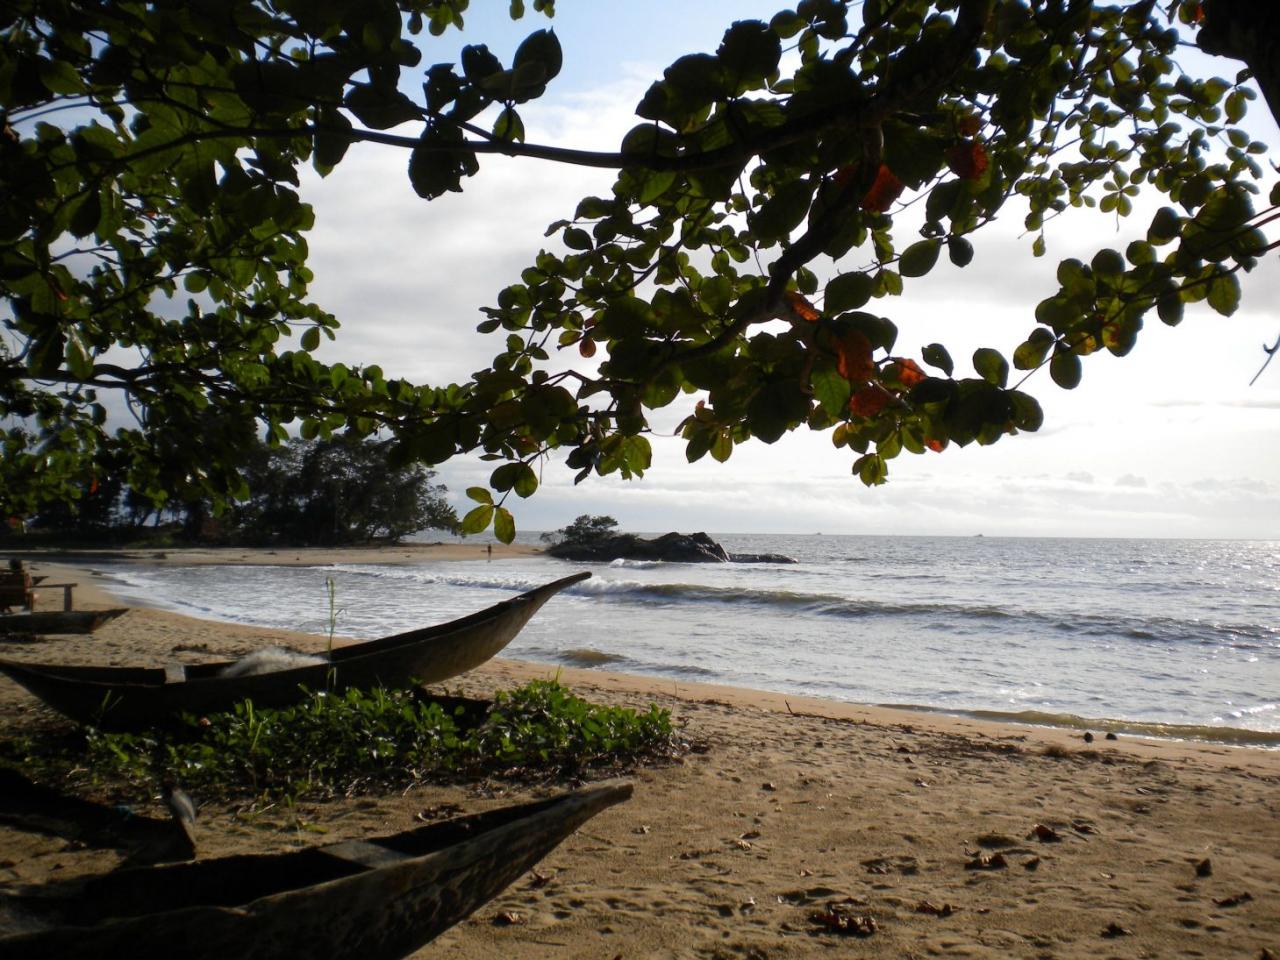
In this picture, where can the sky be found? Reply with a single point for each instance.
(1170, 441)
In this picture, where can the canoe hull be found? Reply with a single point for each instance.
(377, 914)
(122, 698)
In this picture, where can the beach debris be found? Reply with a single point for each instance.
(509, 918)
(1031, 864)
(1112, 736)
(1268, 955)
(742, 844)
(747, 906)
(768, 785)
(438, 812)
(806, 872)
(1204, 868)
(1082, 826)
(928, 906)
(1045, 834)
(995, 861)
(1235, 901)
(906, 865)
(923, 784)
(904, 749)
(1114, 929)
(750, 835)
(840, 918)
(1088, 737)
(642, 829)
(540, 880)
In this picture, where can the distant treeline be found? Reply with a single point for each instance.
(322, 492)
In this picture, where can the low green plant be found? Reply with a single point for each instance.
(360, 740)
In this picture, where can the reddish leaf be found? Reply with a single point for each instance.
(801, 307)
(869, 401)
(968, 159)
(937, 446)
(886, 189)
(853, 357)
(587, 347)
(906, 371)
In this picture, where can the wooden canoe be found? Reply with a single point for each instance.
(371, 899)
(56, 621)
(121, 698)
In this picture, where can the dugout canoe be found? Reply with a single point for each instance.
(123, 698)
(56, 621)
(373, 899)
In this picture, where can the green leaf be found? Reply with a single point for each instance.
(543, 49)
(849, 291)
(509, 126)
(871, 469)
(960, 251)
(750, 53)
(1027, 414)
(480, 495)
(782, 212)
(919, 258)
(380, 106)
(478, 520)
(1065, 370)
(991, 366)
(310, 339)
(914, 155)
(936, 355)
(722, 446)
(1224, 293)
(504, 525)
(1032, 352)
(830, 390)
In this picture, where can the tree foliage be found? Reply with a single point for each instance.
(342, 490)
(152, 239)
(585, 529)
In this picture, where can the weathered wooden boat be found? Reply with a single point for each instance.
(34, 807)
(122, 698)
(56, 621)
(372, 899)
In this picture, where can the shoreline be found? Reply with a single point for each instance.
(96, 586)
(955, 836)
(96, 591)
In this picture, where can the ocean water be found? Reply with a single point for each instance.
(1168, 637)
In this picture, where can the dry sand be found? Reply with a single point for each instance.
(925, 824)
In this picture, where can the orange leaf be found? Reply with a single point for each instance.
(907, 371)
(883, 192)
(937, 446)
(869, 401)
(968, 159)
(853, 357)
(801, 307)
(587, 347)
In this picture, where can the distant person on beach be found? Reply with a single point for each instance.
(489, 548)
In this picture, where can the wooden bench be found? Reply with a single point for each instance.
(66, 592)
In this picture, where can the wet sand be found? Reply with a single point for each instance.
(951, 837)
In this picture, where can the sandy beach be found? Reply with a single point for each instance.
(953, 837)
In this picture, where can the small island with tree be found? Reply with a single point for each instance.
(594, 539)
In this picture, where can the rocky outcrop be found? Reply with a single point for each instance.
(669, 548)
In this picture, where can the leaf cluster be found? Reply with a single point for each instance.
(741, 271)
